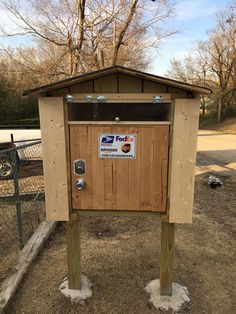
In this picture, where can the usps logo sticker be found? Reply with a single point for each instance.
(108, 139)
(117, 146)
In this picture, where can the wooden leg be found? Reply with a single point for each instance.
(73, 253)
(167, 254)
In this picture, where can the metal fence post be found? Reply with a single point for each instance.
(17, 199)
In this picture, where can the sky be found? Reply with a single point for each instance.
(192, 18)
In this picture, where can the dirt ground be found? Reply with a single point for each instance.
(32, 212)
(121, 256)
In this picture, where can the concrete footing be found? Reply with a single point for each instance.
(179, 299)
(77, 296)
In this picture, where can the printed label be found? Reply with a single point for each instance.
(117, 146)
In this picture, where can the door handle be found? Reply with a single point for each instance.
(80, 184)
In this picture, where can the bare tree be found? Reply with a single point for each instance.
(219, 54)
(214, 62)
(59, 23)
(90, 34)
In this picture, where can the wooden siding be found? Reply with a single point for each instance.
(129, 84)
(121, 184)
(153, 87)
(106, 84)
(84, 87)
(117, 83)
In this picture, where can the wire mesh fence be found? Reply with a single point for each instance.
(21, 198)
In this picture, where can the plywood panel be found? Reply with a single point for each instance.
(175, 90)
(129, 84)
(54, 158)
(60, 92)
(85, 87)
(152, 87)
(179, 95)
(106, 84)
(122, 184)
(182, 160)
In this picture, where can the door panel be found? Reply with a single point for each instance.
(121, 184)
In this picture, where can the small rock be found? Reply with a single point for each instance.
(214, 181)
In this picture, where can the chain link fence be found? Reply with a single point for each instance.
(21, 198)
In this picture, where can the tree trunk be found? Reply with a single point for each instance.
(122, 33)
(203, 106)
(81, 18)
(219, 109)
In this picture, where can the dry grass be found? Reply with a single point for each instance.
(30, 179)
(121, 255)
(9, 238)
(227, 126)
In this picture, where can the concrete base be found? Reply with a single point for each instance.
(176, 302)
(77, 296)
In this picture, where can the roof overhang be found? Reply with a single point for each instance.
(45, 89)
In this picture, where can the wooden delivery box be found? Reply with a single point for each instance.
(119, 140)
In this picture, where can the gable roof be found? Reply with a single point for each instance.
(42, 90)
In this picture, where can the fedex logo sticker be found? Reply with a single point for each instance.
(117, 146)
(126, 138)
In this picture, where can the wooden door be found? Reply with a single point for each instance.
(138, 183)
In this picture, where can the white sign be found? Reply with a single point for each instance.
(117, 146)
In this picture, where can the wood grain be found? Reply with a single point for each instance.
(128, 83)
(160, 158)
(121, 184)
(108, 178)
(122, 176)
(153, 87)
(134, 188)
(143, 123)
(130, 97)
(106, 84)
(167, 257)
(53, 133)
(73, 253)
(146, 168)
(98, 172)
(182, 160)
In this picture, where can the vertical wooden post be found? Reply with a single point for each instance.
(167, 254)
(73, 253)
